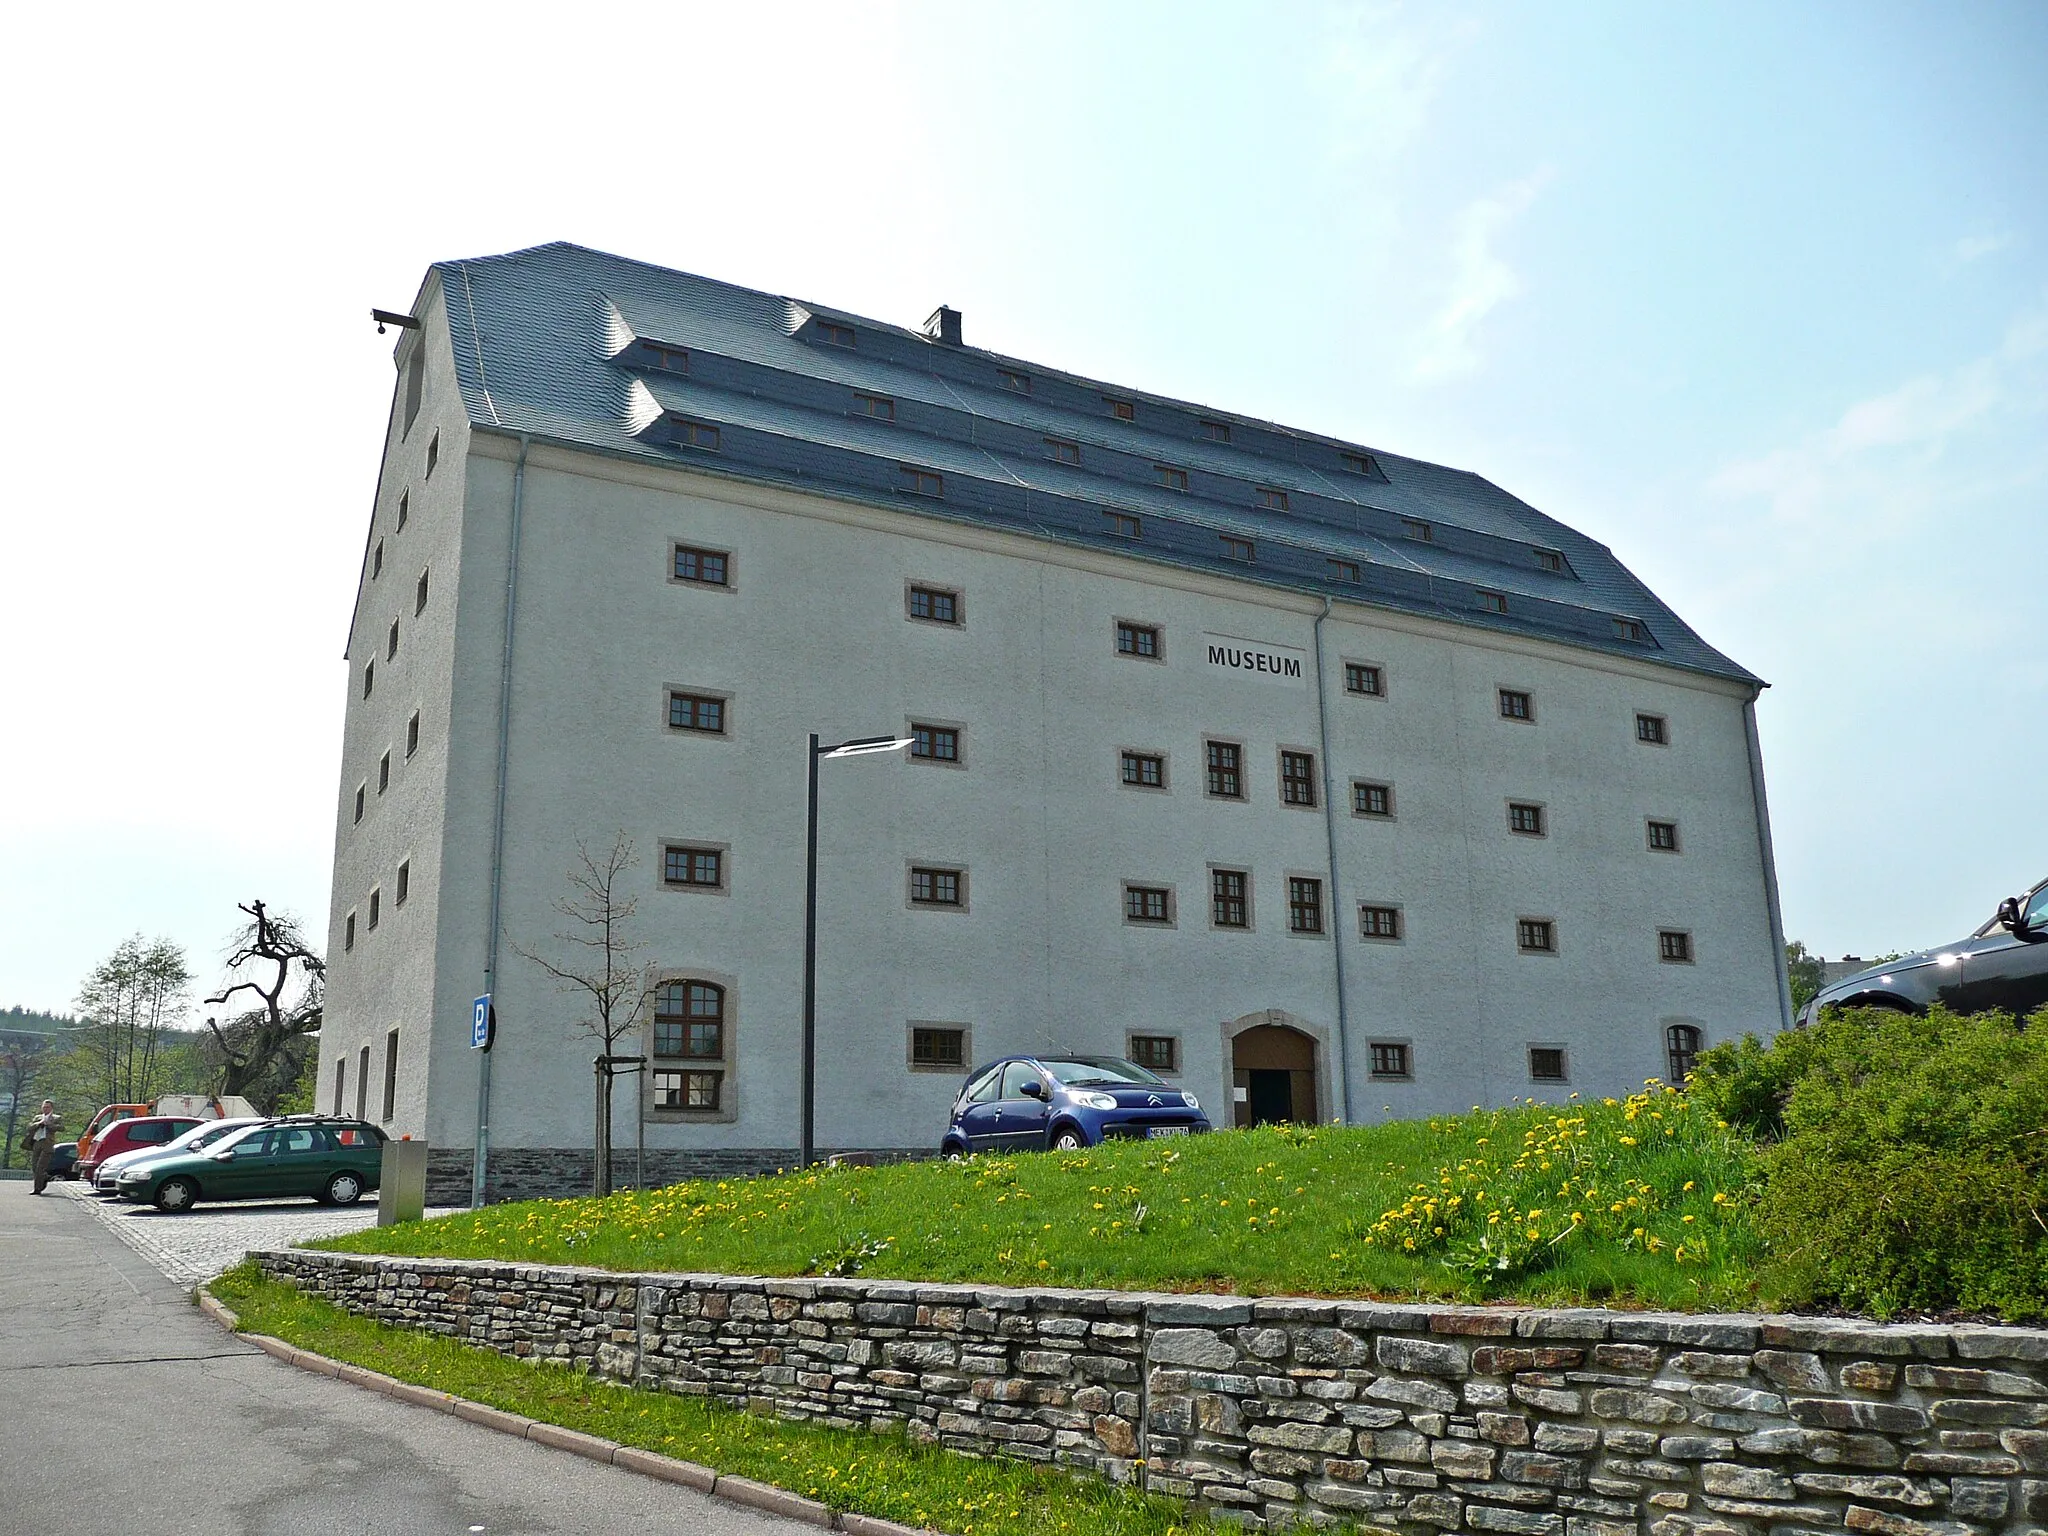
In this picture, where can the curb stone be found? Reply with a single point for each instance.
(739, 1490)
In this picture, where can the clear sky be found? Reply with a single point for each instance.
(1757, 294)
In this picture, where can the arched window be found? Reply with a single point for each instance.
(1681, 1050)
(689, 1020)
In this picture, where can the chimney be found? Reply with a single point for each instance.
(944, 325)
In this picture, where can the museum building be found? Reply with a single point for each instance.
(1332, 785)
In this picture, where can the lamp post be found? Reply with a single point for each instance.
(860, 747)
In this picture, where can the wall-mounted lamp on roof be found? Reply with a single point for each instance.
(385, 317)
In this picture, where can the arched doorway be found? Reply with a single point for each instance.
(1273, 1076)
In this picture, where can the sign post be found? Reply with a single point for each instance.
(483, 1032)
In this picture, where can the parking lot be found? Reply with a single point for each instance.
(196, 1245)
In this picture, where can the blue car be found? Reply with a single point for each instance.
(1031, 1103)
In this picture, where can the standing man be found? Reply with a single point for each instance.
(41, 1141)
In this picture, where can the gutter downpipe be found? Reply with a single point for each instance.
(1770, 861)
(480, 1159)
(1338, 927)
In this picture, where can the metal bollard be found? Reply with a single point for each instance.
(402, 1186)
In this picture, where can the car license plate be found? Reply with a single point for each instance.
(1166, 1130)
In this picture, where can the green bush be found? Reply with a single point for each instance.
(1913, 1170)
(1746, 1082)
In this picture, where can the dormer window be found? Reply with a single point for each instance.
(693, 434)
(1173, 479)
(881, 407)
(1630, 629)
(1364, 464)
(1013, 380)
(1415, 528)
(921, 482)
(1122, 525)
(1493, 602)
(1240, 550)
(835, 335)
(1216, 431)
(1549, 560)
(1345, 571)
(1122, 410)
(1270, 499)
(668, 359)
(1060, 451)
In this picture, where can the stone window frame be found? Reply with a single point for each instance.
(1400, 933)
(912, 868)
(1236, 743)
(1173, 1068)
(914, 588)
(694, 845)
(1391, 813)
(1165, 784)
(1314, 781)
(1404, 1044)
(1542, 818)
(957, 762)
(1316, 905)
(726, 1064)
(952, 1068)
(724, 696)
(1172, 893)
(680, 546)
(1524, 924)
(1662, 727)
(1136, 628)
(1675, 947)
(1251, 911)
(1503, 692)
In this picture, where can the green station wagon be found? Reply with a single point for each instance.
(334, 1161)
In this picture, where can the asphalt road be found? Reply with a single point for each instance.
(123, 1410)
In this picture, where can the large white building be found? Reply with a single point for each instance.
(1334, 784)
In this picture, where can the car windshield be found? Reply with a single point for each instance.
(1097, 1071)
(206, 1135)
(235, 1138)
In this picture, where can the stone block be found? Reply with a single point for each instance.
(1329, 1347)
(1473, 1322)
(1973, 1498)
(1519, 1522)
(1393, 1445)
(1421, 1357)
(1834, 1413)
(1458, 1458)
(1799, 1369)
(1969, 1463)
(1263, 1343)
(2030, 1445)
(1993, 1411)
(1701, 1363)
(1977, 1383)
(1500, 1360)
(1276, 1463)
(1702, 1332)
(1118, 1436)
(1736, 1399)
(1197, 1347)
(1415, 1394)
(1541, 1470)
(1883, 1523)
(1504, 1428)
(1565, 1439)
(1199, 1312)
(1439, 1509)
(1695, 1447)
(1582, 1525)
(1885, 1490)
(1637, 1407)
(1328, 1439)
(1365, 1416)
(1548, 1399)
(1735, 1481)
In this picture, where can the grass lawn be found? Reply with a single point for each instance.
(873, 1473)
(1638, 1202)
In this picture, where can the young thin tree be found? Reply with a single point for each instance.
(128, 1001)
(262, 1050)
(599, 968)
(22, 1057)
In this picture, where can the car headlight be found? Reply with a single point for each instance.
(1095, 1100)
(1191, 1101)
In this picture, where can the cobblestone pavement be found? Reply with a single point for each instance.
(193, 1247)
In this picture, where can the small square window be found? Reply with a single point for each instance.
(1653, 730)
(1493, 602)
(703, 868)
(404, 508)
(835, 335)
(1148, 904)
(383, 773)
(377, 561)
(696, 712)
(1141, 640)
(1515, 704)
(404, 887)
(921, 482)
(706, 567)
(1663, 836)
(1631, 630)
(1345, 571)
(433, 456)
(1535, 936)
(1230, 898)
(348, 932)
(1363, 464)
(1547, 1064)
(1416, 528)
(1013, 380)
(938, 887)
(935, 743)
(1674, 946)
(412, 734)
(362, 792)
(1122, 525)
(937, 1045)
(881, 407)
(1304, 905)
(369, 677)
(1390, 1059)
(1270, 499)
(1364, 678)
(1216, 431)
(391, 643)
(1226, 770)
(1240, 550)
(1549, 560)
(1144, 770)
(934, 605)
(1382, 923)
(1371, 799)
(1060, 451)
(1156, 1053)
(1173, 479)
(419, 596)
(1298, 779)
(668, 359)
(1525, 818)
(694, 434)
(1122, 410)
(701, 1090)
(376, 905)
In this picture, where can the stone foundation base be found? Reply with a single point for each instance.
(554, 1173)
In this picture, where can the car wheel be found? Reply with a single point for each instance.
(175, 1195)
(343, 1189)
(1067, 1139)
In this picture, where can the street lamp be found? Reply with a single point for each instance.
(818, 753)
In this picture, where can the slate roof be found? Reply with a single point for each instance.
(579, 347)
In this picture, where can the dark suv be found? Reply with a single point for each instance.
(2003, 965)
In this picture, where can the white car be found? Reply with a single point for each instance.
(106, 1178)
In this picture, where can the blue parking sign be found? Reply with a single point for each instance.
(480, 1023)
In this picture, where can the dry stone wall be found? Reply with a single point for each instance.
(1283, 1411)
